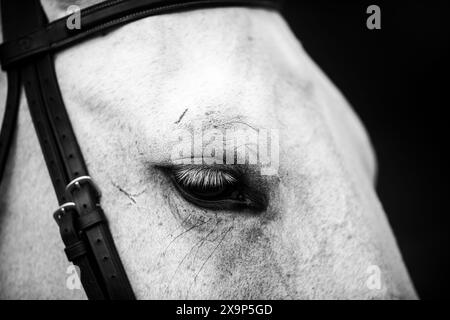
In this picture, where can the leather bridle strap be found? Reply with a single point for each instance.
(27, 55)
(90, 246)
(9, 118)
(11, 31)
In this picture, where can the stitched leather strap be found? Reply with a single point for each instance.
(11, 31)
(9, 118)
(90, 219)
(66, 163)
(78, 253)
(102, 273)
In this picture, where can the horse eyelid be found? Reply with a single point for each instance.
(204, 177)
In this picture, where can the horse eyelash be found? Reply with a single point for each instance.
(201, 176)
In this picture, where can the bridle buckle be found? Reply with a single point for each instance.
(57, 215)
(75, 183)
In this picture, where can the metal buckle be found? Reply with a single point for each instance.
(75, 183)
(57, 215)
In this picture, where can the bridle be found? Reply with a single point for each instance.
(27, 56)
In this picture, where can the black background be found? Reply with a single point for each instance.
(396, 80)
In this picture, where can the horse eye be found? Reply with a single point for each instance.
(214, 187)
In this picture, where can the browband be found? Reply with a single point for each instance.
(27, 55)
